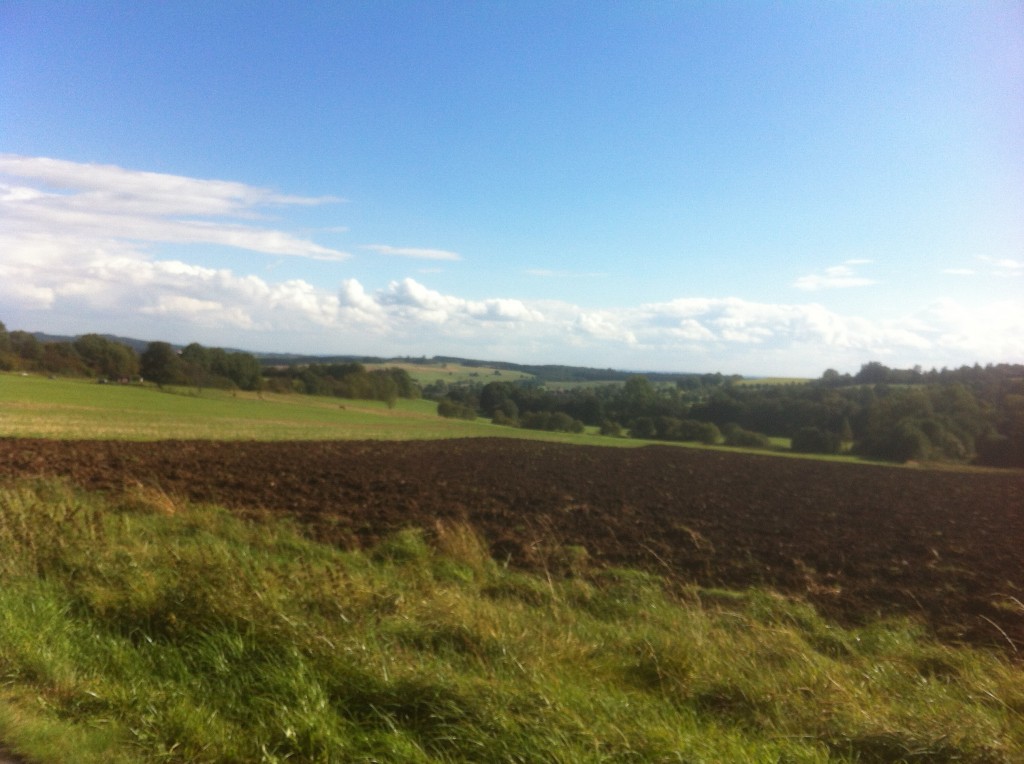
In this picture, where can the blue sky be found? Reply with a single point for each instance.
(749, 187)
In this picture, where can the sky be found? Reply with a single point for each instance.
(757, 188)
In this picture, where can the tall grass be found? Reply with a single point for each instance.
(142, 628)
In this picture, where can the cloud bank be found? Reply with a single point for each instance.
(79, 242)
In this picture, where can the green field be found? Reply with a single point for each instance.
(37, 407)
(452, 373)
(772, 381)
(33, 406)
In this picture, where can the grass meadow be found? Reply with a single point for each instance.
(140, 628)
(37, 407)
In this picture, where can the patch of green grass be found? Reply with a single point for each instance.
(141, 628)
(771, 381)
(453, 373)
(34, 406)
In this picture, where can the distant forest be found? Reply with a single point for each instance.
(972, 414)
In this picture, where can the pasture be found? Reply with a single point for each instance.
(37, 407)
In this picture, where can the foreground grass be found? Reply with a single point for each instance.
(144, 629)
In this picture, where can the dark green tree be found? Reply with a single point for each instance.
(159, 363)
(107, 358)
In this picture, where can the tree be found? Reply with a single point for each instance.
(26, 346)
(7, 361)
(872, 373)
(61, 358)
(159, 363)
(106, 357)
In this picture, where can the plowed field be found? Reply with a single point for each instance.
(856, 540)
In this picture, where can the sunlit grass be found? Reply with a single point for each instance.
(38, 407)
(453, 373)
(141, 628)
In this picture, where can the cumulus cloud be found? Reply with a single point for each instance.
(836, 277)
(413, 252)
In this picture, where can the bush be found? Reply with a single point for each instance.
(551, 422)
(644, 427)
(701, 432)
(814, 440)
(610, 428)
(737, 436)
(455, 410)
(500, 417)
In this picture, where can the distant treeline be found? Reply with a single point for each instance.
(970, 414)
(196, 366)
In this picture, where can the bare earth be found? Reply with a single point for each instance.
(856, 540)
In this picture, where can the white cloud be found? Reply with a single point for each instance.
(545, 273)
(959, 271)
(836, 277)
(75, 243)
(413, 252)
(88, 206)
(1004, 267)
(603, 326)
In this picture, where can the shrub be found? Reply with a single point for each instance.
(643, 427)
(455, 410)
(610, 428)
(814, 440)
(500, 417)
(552, 422)
(702, 432)
(737, 436)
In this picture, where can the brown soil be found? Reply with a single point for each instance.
(856, 540)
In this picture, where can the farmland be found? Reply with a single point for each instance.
(236, 577)
(856, 540)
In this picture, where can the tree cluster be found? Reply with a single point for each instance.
(200, 367)
(88, 355)
(964, 415)
(344, 380)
